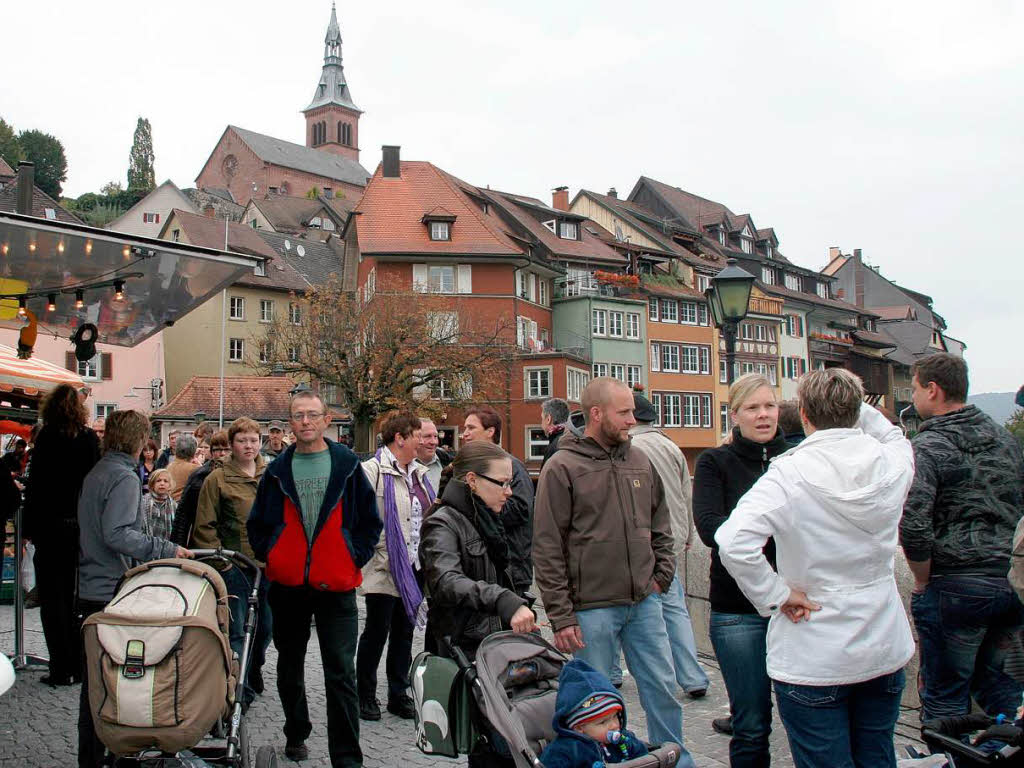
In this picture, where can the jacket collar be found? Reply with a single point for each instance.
(119, 457)
(748, 449)
(343, 464)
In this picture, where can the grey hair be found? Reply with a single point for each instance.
(185, 446)
(557, 409)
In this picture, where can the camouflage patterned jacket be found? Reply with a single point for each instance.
(966, 498)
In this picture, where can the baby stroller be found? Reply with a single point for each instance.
(996, 743)
(162, 674)
(509, 691)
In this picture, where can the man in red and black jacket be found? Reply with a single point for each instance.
(315, 524)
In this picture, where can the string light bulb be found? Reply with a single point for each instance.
(118, 290)
(51, 302)
(60, 246)
(127, 251)
(22, 305)
(88, 247)
(32, 247)
(79, 299)
(5, 248)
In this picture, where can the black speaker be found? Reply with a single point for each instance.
(85, 342)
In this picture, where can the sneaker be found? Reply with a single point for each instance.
(403, 707)
(369, 709)
(296, 750)
(723, 725)
(697, 693)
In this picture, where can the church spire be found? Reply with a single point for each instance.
(332, 88)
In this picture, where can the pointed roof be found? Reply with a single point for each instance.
(332, 88)
(5, 169)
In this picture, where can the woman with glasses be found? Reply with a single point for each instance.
(466, 562)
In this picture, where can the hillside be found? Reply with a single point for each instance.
(998, 405)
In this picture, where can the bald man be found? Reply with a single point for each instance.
(603, 551)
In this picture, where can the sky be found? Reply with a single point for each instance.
(896, 128)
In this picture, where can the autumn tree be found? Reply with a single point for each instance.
(51, 164)
(395, 349)
(141, 176)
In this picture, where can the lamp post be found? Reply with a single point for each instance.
(729, 300)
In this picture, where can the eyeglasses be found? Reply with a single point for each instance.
(502, 483)
(218, 449)
(306, 416)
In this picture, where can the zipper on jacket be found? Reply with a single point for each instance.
(764, 459)
(625, 530)
(309, 543)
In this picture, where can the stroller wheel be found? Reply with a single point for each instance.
(266, 757)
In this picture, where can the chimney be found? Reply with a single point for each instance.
(858, 279)
(560, 198)
(613, 192)
(26, 183)
(856, 254)
(834, 252)
(392, 162)
(209, 212)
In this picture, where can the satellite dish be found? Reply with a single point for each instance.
(300, 250)
(287, 245)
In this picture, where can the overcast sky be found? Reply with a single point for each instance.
(896, 128)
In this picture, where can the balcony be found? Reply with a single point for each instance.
(591, 285)
(764, 306)
(565, 342)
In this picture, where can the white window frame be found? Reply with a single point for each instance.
(537, 382)
(617, 371)
(91, 369)
(773, 374)
(575, 381)
(670, 358)
(266, 310)
(568, 230)
(634, 375)
(293, 353)
(689, 359)
(438, 276)
(615, 323)
(260, 268)
(746, 245)
(767, 274)
(236, 350)
(724, 419)
(599, 322)
(666, 316)
(656, 402)
(688, 312)
(440, 231)
(633, 325)
(746, 331)
(653, 304)
(672, 405)
(600, 369)
(723, 372)
(702, 315)
(536, 443)
(792, 281)
(236, 308)
(264, 354)
(703, 282)
(150, 218)
(760, 332)
(443, 326)
(294, 313)
(655, 355)
(822, 289)
(542, 292)
(103, 410)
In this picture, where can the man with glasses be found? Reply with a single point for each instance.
(315, 524)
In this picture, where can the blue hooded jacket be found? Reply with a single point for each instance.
(577, 682)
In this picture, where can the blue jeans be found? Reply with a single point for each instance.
(966, 625)
(640, 629)
(239, 586)
(739, 643)
(842, 726)
(690, 675)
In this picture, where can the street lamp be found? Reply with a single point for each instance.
(729, 300)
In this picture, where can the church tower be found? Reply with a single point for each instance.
(332, 118)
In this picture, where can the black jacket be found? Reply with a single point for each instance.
(720, 479)
(552, 444)
(59, 466)
(467, 598)
(185, 514)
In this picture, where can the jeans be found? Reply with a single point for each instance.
(640, 629)
(842, 726)
(239, 586)
(690, 674)
(337, 625)
(386, 622)
(739, 643)
(966, 625)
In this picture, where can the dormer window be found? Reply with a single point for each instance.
(721, 235)
(568, 230)
(746, 245)
(260, 270)
(769, 251)
(439, 223)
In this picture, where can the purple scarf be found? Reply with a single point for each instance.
(397, 548)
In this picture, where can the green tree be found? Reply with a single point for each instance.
(10, 149)
(112, 189)
(141, 177)
(47, 153)
(1016, 425)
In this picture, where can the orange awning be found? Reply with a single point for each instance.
(32, 377)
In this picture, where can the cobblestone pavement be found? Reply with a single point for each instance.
(38, 723)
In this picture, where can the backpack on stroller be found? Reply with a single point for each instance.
(512, 688)
(161, 670)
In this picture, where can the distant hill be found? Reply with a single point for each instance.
(998, 405)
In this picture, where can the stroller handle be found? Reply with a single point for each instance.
(227, 554)
(957, 725)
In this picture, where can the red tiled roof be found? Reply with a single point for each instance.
(901, 312)
(835, 265)
(5, 169)
(391, 212)
(40, 201)
(260, 398)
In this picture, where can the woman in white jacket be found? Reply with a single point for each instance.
(838, 637)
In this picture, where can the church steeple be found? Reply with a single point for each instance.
(332, 118)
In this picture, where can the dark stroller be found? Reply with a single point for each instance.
(174, 616)
(514, 683)
(997, 744)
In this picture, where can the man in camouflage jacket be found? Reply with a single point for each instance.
(957, 533)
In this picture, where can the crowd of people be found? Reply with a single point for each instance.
(803, 508)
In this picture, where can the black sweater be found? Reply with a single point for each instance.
(721, 478)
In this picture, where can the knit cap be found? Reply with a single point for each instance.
(593, 708)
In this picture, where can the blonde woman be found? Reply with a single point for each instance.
(738, 633)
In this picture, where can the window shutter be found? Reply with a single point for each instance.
(464, 278)
(420, 281)
(158, 218)
(70, 362)
(107, 366)
(799, 326)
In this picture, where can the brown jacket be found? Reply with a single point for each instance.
(602, 531)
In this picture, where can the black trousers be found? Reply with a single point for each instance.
(386, 622)
(56, 564)
(337, 626)
(90, 748)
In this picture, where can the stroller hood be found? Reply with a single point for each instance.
(578, 682)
